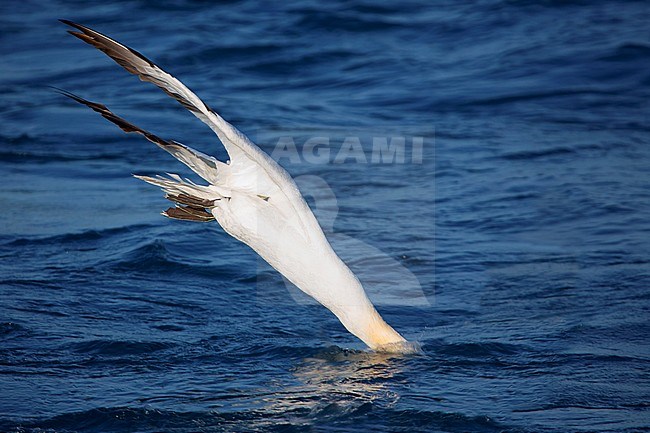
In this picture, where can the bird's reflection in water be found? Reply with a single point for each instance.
(335, 382)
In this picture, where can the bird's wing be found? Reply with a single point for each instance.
(205, 166)
(245, 156)
(135, 63)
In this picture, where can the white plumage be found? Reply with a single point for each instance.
(254, 200)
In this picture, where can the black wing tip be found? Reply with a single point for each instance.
(128, 58)
(89, 35)
(72, 24)
(72, 96)
(76, 34)
(57, 89)
(66, 93)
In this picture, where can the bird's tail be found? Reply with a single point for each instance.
(193, 202)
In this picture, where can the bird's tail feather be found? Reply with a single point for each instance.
(193, 202)
(175, 186)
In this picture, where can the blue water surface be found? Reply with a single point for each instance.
(514, 249)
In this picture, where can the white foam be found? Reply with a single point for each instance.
(403, 347)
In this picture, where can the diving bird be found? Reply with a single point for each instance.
(254, 200)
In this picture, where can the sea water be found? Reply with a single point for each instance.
(513, 249)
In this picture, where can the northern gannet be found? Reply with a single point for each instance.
(254, 200)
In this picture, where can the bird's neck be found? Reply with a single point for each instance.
(366, 323)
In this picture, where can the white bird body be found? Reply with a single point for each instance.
(255, 201)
